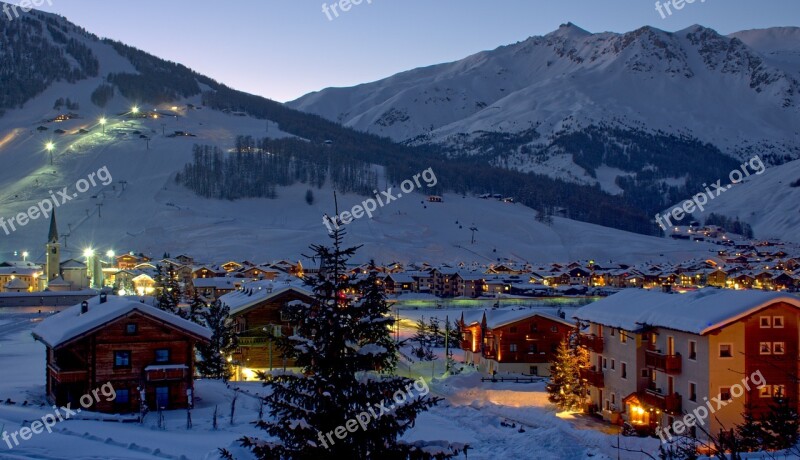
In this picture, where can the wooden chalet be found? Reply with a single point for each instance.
(512, 341)
(257, 312)
(138, 348)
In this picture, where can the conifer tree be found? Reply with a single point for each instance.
(750, 432)
(214, 363)
(566, 388)
(781, 424)
(423, 350)
(168, 292)
(196, 309)
(341, 345)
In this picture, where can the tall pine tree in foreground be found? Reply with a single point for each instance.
(345, 349)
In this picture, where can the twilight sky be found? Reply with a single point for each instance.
(283, 49)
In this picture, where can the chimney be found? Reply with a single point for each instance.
(103, 297)
(84, 307)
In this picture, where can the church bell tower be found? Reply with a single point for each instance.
(53, 251)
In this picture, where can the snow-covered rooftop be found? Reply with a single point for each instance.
(217, 282)
(698, 312)
(70, 323)
(259, 291)
(499, 318)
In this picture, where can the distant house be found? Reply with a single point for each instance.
(128, 261)
(232, 266)
(13, 276)
(435, 199)
(75, 273)
(399, 283)
(124, 342)
(214, 288)
(206, 271)
(16, 285)
(512, 341)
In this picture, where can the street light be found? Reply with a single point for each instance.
(50, 146)
(103, 122)
(135, 110)
(25, 255)
(110, 254)
(88, 252)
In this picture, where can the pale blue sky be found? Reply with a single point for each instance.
(285, 48)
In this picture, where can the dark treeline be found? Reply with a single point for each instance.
(730, 225)
(158, 80)
(255, 168)
(29, 62)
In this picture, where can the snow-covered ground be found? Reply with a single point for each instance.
(505, 419)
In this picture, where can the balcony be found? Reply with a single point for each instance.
(69, 376)
(668, 403)
(669, 364)
(166, 372)
(247, 342)
(592, 342)
(593, 377)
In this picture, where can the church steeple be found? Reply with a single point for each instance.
(53, 236)
(53, 251)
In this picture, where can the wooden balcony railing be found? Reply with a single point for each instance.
(670, 364)
(592, 342)
(69, 376)
(168, 372)
(253, 341)
(593, 377)
(671, 403)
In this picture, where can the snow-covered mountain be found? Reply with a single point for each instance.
(525, 105)
(61, 80)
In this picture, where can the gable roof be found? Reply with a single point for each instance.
(70, 324)
(219, 282)
(500, 318)
(698, 312)
(256, 292)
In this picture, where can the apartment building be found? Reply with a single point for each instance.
(657, 356)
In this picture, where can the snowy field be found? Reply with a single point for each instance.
(497, 419)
